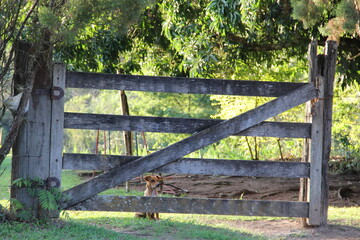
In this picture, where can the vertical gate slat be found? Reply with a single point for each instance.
(316, 150)
(57, 123)
(312, 58)
(329, 76)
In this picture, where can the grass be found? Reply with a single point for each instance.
(115, 225)
(5, 172)
(172, 226)
(58, 231)
(345, 216)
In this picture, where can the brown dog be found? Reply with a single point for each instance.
(152, 182)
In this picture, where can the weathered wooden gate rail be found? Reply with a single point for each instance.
(205, 132)
(179, 125)
(247, 168)
(197, 206)
(178, 84)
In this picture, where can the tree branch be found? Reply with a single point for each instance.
(19, 115)
(5, 69)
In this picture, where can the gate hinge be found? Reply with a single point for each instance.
(52, 182)
(55, 93)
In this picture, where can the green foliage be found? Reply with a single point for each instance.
(49, 198)
(309, 12)
(346, 131)
(351, 13)
(333, 18)
(202, 38)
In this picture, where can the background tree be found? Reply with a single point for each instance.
(257, 40)
(339, 21)
(221, 39)
(43, 25)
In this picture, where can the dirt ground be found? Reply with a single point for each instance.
(344, 192)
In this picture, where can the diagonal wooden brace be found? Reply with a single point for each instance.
(213, 134)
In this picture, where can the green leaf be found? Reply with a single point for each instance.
(47, 200)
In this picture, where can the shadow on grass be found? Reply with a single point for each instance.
(168, 228)
(59, 231)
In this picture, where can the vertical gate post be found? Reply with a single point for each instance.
(57, 127)
(316, 156)
(30, 157)
(57, 120)
(37, 150)
(312, 72)
(329, 77)
(319, 149)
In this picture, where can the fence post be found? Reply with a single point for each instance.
(329, 77)
(31, 151)
(304, 182)
(57, 126)
(316, 150)
(321, 118)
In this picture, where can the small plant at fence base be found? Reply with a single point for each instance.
(49, 199)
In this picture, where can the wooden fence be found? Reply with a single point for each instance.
(312, 170)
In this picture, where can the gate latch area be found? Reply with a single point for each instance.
(52, 182)
(55, 93)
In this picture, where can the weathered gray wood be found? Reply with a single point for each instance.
(312, 72)
(199, 140)
(94, 162)
(194, 166)
(56, 131)
(329, 76)
(316, 154)
(194, 206)
(57, 123)
(31, 152)
(179, 125)
(178, 84)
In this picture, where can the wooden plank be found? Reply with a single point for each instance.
(316, 154)
(31, 151)
(178, 84)
(313, 71)
(179, 125)
(193, 206)
(57, 131)
(331, 49)
(194, 166)
(57, 123)
(196, 141)
(94, 162)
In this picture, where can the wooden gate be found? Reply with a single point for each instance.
(312, 170)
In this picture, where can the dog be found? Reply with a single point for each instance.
(152, 182)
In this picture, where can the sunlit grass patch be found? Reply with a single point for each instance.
(171, 226)
(345, 216)
(59, 231)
